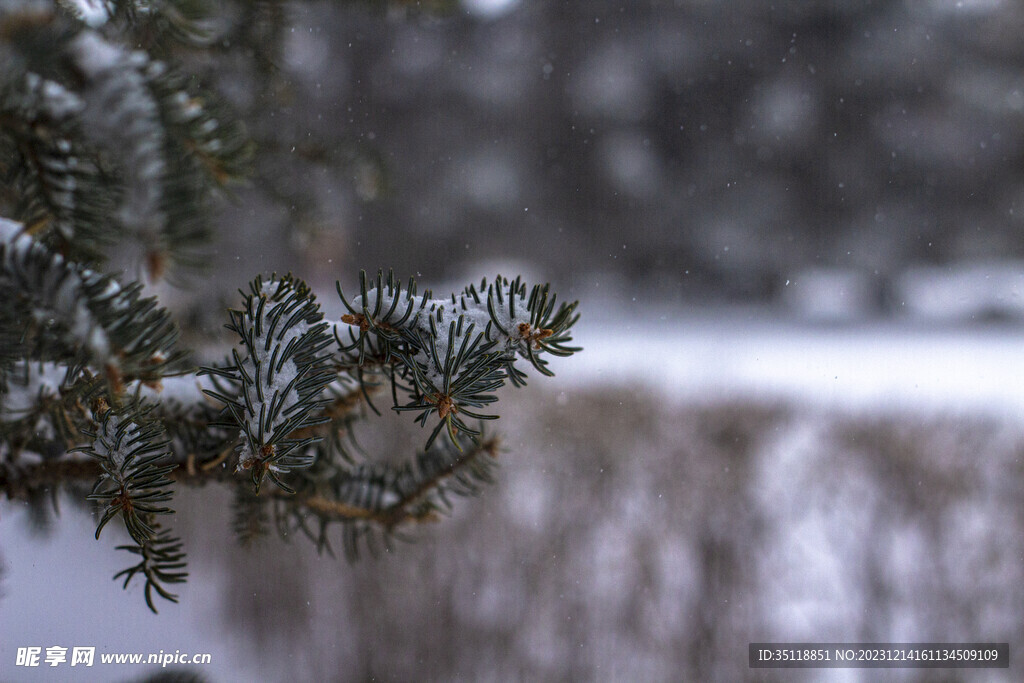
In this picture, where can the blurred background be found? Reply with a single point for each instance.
(795, 232)
(841, 159)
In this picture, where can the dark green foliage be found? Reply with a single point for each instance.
(161, 561)
(371, 502)
(134, 486)
(111, 150)
(104, 143)
(55, 183)
(278, 382)
(448, 355)
(62, 312)
(291, 393)
(132, 455)
(45, 411)
(159, 24)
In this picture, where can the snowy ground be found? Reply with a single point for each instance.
(803, 483)
(884, 365)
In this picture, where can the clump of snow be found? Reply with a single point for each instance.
(503, 320)
(513, 316)
(446, 340)
(112, 292)
(93, 13)
(108, 446)
(55, 100)
(60, 102)
(9, 230)
(387, 299)
(274, 382)
(95, 56)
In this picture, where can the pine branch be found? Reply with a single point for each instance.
(159, 24)
(449, 355)
(287, 403)
(133, 485)
(45, 408)
(206, 149)
(199, 441)
(276, 385)
(134, 482)
(107, 144)
(425, 485)
(340, 412)
(76, 317)
(161, 561)
(103, 143)
(61, 192)
(372, 503)
(385, 496)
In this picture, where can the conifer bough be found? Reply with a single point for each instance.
(280, 407)
(105, 140)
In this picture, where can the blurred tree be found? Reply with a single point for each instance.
(113, 149)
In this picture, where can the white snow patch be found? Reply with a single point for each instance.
(94, 55)
(885, 364)
(185, 389)
(60, 102)
(93, 13)
(831, 294)
(9, 230)
(26, 385)
(960, 293)
(489, 9)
